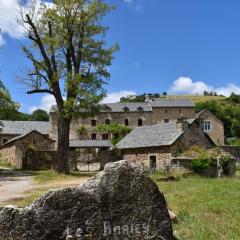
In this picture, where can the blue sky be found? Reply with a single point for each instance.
(185, 46)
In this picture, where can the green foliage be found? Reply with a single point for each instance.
(81, 130)
(39, 115)
(141, 97)
(113, 128)
(203, 161)
(234, 98)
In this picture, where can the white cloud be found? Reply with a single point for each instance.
(185, 85)
(137, 4)
(46, 102)
(115, 96)
(10, 14)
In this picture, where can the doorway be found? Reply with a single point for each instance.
(152, 164)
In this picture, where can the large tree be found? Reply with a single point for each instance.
(69, 59)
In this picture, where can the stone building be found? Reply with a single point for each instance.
(12, 129)
(131, 115)
(212, 126)
(15, 151)
(154, 146)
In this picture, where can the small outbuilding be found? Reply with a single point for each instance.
(16, 151)
(154, 146)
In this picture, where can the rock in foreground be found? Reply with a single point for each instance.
(118, 203)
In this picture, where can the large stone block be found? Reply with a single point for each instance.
(118, 203)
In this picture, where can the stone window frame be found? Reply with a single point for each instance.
(207, 126)
(105, 136)
(140, 109)
(126, 109)
(126, 122)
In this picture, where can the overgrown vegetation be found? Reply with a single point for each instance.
(116, 131)
(205, 158)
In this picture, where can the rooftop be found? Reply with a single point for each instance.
(90, 143)
(23, 127)
(159, 102)
(164, 134)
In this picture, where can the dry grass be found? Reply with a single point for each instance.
(197, 98)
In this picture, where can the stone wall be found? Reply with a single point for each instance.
(14, 152)
(141, 156)
(8, 155)
(217, 131)
(172, 114)
(6, 137)
(233, 150)
(193, 135)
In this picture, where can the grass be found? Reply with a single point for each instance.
(197, 98)
(206, 208)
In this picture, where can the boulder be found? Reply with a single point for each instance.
(118, 203)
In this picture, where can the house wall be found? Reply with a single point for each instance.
(159, 114)
(14, 152)
(141, 156)
(6, 136)
(192, 136)
(8, 155)
(217, 131)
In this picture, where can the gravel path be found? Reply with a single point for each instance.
(13, 184)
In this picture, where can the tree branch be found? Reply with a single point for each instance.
(40, 91)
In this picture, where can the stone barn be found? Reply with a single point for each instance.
(154, 146)
(16, 151)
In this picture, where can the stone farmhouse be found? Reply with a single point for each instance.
(161, 127)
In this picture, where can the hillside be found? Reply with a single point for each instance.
(198, 98)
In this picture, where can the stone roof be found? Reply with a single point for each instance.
(90, 143)
(23, 127)
(164, 134)
(120, 107)
(23, 136)
(197, 115)
(159, 102)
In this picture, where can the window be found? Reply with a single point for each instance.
(140, 109)
(180, 110)
(140, 122)
(105, 136)
(94, 123)
(94, 136)
(5, 140)
(207, 126)
(126, 109)
(166, 111)
(107, 121)
(166, 120)
(126, 122)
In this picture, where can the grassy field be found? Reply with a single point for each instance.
(198, 98)
(207, 209)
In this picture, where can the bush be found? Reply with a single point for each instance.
(202, 162)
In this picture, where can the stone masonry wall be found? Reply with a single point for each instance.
(194, 135)
(8, 155)
(141, 156)
(172, 114)
(6, 137)
(217, 131)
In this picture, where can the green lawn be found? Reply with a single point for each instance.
(207, 209)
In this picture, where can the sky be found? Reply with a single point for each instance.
(182, 47)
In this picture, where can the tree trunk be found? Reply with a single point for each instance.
(63, 145)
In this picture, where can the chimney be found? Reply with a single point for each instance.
(182, 124)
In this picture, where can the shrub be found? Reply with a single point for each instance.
(202, 162)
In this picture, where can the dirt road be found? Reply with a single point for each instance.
(13, 184)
